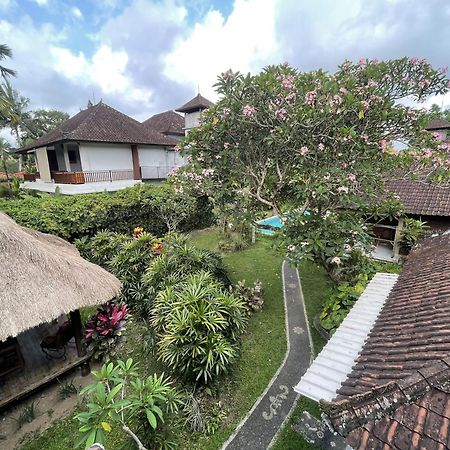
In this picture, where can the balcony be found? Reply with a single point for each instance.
(90, 176)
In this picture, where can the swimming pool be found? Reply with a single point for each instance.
(273, 221)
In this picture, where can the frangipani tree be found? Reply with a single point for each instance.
(316, 148)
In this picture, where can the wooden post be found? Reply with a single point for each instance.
(75, 320)
(136, 165)
(397, 238)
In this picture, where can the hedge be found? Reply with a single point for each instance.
(72, 217)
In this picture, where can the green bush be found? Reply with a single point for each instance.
(119, 398)
(72, 217)
(340, 303)
(101, 248)
(127, 257)
(197, 328)
(411, 232)
(146, 264)
(178, 260)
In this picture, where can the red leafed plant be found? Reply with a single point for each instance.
(105, 329)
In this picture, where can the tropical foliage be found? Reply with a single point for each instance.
(411, 231)
(178, 260)
(309, 145)
(197, 325)
(72, 217)
(120, 398)
(105, 329)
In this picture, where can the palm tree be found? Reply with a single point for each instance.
(4, 156)
(5, 52)
(17, 113)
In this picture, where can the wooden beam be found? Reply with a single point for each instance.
(136, 164)
(75, 319)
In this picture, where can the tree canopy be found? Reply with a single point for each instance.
(316, 148)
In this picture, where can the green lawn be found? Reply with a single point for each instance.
(265, 336)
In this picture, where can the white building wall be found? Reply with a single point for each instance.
(152, 156)
(157, 162)
(105, 156)
(192, 119)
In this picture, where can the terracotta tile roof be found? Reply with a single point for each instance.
(101, 123)
(437, 124)
(398, 394)
(168, 122)
(422, 198)
(197, 103)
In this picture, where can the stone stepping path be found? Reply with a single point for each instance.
(258, 430)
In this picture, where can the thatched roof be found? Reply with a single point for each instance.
(42, 277)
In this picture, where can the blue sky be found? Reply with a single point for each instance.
(146, 56)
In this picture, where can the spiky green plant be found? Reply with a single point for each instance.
(197, 327)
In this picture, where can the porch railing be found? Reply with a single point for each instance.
(31, 176)
(93, 176)
(89, 176)
(155, 172)
(68, 177)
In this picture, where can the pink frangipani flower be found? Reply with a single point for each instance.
(248, 110)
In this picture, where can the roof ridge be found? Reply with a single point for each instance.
(351, 413)
(91, 115)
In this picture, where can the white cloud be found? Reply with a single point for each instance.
(244, 41)
(77, 13)
(147, 55)
(104, 72)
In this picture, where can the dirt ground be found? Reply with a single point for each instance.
(49, 408)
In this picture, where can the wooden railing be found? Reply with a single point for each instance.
(68, 177)
(31, 176)
(89, 176)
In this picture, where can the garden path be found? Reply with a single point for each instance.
(258, 430)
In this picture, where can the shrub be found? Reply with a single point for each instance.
(411, 232)
(340, 303)
(72, 217)
(145, 264)
(127, 257)
(197, 327)
(178, 260)
(253, 297)
(105, 329)
(101, 248)
(232, 242)
(138, 407)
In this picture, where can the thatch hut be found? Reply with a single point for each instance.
(43, 279)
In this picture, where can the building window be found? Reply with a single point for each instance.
(72, 156)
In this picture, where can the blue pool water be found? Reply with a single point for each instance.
(273, 221)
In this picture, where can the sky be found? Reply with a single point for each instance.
(145, 56)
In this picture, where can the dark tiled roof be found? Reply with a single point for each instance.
(168, 122)
(398, 393)
(437, 124)
(101, 123)
(421, 424)
(197, 103)
(422, 198)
